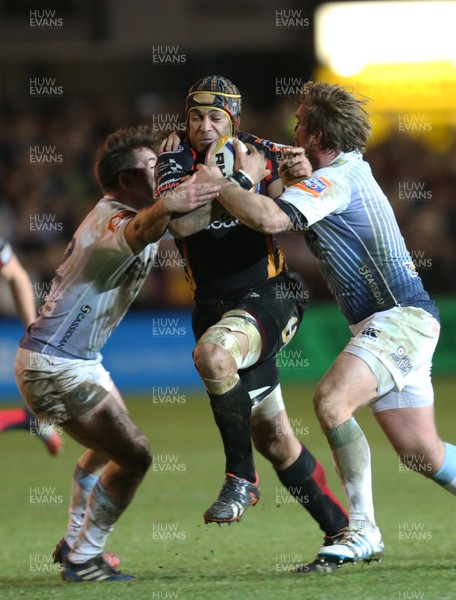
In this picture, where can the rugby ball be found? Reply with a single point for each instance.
(221, 154)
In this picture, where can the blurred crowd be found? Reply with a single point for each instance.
(47, 186)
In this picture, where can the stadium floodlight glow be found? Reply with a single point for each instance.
(351, 35)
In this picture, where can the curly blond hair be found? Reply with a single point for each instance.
(339, 116)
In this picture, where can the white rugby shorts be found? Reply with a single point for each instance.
(398, 345)
(60, 389)
(268, 408)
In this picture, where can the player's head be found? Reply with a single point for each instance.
(217, 101)
(333, 118)
(127, 160)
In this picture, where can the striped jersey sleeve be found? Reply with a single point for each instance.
(351, 229)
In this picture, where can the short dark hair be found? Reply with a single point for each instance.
(338, 114)
(117, 153)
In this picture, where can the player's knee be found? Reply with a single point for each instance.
(142, 457)
(322, 404)
(330, 407)
(212, 361)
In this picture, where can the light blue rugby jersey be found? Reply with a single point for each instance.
(99, 278)
(351, 229)
(6, 252)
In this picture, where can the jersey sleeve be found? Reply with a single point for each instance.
(171, 167)
(313, 199)
(6, 252)
(110, 236)
(271, 153)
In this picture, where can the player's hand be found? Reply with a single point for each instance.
(189, 195)
(170, 143)
(294, 167)
(205, 174)
(254, 163)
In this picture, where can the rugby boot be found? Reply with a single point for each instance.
(62, 549)
(235, 497)
(95, 569)
(321, 565)
(361, 542)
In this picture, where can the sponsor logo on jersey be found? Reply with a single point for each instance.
(118, 218)
(85, 309)
(314, 185)
(410, 268)
(402, 361)
(371, 332)
(225, 222)
(367, 274)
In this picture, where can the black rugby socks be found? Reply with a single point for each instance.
(306, 481)
(232, 415)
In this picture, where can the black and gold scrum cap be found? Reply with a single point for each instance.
(218, 93)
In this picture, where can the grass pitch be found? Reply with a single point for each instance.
(163, 541)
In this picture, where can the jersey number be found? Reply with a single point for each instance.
(289, 330)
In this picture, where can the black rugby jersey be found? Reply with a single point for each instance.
(227, 257)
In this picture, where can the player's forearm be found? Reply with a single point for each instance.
(195, 221)
(25, 307)
(148, 226)
(185, 225)
(257, 212)
(19, 283)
